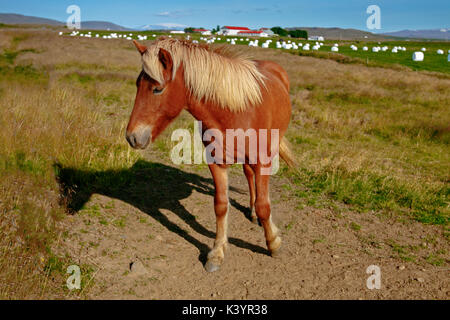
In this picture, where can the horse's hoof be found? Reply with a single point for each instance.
(275, 254)
(274, 247)
(211, 266)
(254, 220)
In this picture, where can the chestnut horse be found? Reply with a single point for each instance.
(224, 90)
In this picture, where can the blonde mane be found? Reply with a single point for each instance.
(228, 79)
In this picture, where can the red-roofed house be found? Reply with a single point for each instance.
(242, 31)
(203, 31)
(232, 31)
(251, 33)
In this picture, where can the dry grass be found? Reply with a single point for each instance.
(66, 102)
(51, 114)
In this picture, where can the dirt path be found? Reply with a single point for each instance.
(167, 234)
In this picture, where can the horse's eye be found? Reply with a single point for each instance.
(157, 90)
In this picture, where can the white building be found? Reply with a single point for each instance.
(266, 32)
(252, 33)
(232, 31)
(316, 38)
(245, 32)
(204, 32)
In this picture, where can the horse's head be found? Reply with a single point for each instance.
(156, 103)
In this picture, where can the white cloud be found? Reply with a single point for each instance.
(174, 14)
(172, 25)
(163, 14)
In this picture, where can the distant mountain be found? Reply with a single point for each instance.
(11, 18)
(443, 34)
(102, 25)
(340, 34)
(162, 26)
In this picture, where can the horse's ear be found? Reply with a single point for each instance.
(166, 60)
(141, 48)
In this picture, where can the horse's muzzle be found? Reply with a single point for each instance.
(140, 138)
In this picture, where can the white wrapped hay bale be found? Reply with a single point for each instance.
(418, 56)
(365, 48)
(334, 49)
(440, 51)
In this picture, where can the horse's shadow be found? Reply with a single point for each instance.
(149, 187)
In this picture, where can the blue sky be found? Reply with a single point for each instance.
(395, 14)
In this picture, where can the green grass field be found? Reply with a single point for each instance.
(432, 62)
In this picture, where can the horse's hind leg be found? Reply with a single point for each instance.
(250, 175)
(216, 255)
(262, 206)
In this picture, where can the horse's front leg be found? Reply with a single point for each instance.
(216, 255)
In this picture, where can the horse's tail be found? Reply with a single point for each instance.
(286, 154)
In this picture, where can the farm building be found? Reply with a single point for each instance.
(244, 31)
(316, 38)
(232, 31)
(250, 33)
(267, 31)
(204, 32)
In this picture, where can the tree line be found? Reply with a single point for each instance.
(292, 33)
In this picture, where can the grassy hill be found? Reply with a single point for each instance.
(18, 19)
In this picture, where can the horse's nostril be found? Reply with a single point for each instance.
(139, 138)
(131, 138)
